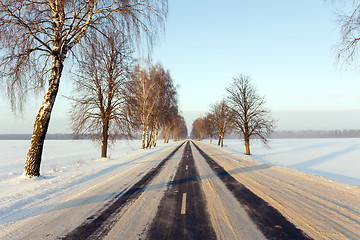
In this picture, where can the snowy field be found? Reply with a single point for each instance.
(71, 167)
(333, 158)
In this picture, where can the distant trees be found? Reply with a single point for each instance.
(199, 128)
(37, 36)
(179, 130)
(99, 106)
(250, 116)
(153, 104)
(222, 120)
(243, 111)
(210, 125)
(218, 121)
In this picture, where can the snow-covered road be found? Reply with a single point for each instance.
(319, 208)
(322, 209)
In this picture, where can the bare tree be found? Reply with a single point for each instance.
(179, 129)
(210, 125)
(152, 100)
(170, 122)
(250, 117)
(199, 128)
(37, 36)
(350, 33)
(223, 120)
(165, 100)
(142, 95)
(99, 105)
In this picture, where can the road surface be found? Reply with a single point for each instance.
(198, 191)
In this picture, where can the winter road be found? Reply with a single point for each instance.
(196, 191)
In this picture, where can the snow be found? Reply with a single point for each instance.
(321, 208)
(332, 158)
(68, 168)
(228, 224)
(74, 175)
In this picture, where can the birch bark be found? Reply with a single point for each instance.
(33, 159)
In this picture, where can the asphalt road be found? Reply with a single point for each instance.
(182, 212)
(186, 206)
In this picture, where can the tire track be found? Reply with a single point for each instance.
(269, 220)
(98, 225)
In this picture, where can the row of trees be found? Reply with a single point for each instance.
(153, 105)
(36, 37)
(242, 111)
(114, 96)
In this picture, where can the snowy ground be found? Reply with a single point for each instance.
(333, 158)
(68, 168)
(321, 208)
(71, 168)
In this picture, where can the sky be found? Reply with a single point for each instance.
(288, 48)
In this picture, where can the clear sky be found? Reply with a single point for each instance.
(287, 47)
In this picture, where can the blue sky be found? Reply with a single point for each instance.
(287, 47)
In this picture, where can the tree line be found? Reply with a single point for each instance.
(38, 39)
(243, 111)
(117, 96)
(345, 133)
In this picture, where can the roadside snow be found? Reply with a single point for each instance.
(321, 208)
(333, 158)
(71, 171)
(68, 169)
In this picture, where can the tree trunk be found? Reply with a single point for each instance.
(150, 137)
(104, 139)
(33, 159)
(155, 135)
(147, 136)
(210, 139)
(143, 138)
(247, 145)
(219, 140)
(222, 140)
(247, 137)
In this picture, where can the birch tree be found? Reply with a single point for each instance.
(99, 107)
(37, 36)
(250, 116)
(152, 100)
(210, 126)
(170, 122)
(165, 100)
(223, 120)
(179, 130)
(199, 128)
(141, 100)
(350, 33)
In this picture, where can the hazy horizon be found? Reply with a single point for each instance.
(287, 120)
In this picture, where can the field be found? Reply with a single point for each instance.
(332, 158)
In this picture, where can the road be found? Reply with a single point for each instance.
(182, 212)
(196, 191)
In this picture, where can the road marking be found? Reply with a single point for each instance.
(187, 167)
(183, 204)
